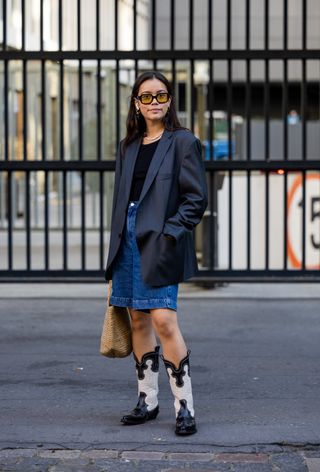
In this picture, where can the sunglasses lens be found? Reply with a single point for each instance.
(162, 97)
(146, 98)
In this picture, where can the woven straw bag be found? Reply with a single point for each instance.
(116, 339)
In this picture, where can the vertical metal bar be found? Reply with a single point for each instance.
(267, 221)
(25, 115)
(153, 25)
(212, 205)
(210, 25)
(229, 13)
(229, 110)
(23, 24)
(9, 193)
(303, 262)
(80, 110)
(247, 25)
(230, 219)
(135, 26)
(116, 13)
(61, 109)
(117, 102)
(304, 25)
(211, 108)
(154, 30)
(267, 111)
(285, 24)
(60, 26)
(61, 85)
(83, 221)
(304, 82)
(65, 219)
(285, 109)
(172, 25)
(46, 221)
(248, 220)
(248, 108)
(28, 220)
(99, 149)
(97, 25)
(285, 212)
(192, 94)
(303, 110)
(215, 221)
(41, 25)
(266, 24)
(173, 82)
(4, 24)
(6, 110)
(190, 25)
(43, 110)
(79, 24)
(101, 219)
(266, 85)
(136, 67)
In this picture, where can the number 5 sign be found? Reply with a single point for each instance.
(312, 223)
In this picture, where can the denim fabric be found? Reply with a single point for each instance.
(128, 287)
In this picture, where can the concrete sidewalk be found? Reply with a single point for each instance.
(186, 290)
(255, 372)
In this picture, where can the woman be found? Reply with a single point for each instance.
(160, 195)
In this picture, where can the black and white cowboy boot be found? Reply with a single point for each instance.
(180, 383)
(147, 372)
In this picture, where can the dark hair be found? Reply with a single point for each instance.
(136, 124)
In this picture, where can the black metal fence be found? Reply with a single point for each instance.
(246, 81)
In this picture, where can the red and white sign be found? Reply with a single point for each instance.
(312, 222)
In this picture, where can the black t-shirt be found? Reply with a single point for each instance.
(144, 157)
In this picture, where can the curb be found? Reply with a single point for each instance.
(244, 291)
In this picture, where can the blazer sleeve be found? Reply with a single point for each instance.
(117, 177)
(193, 193)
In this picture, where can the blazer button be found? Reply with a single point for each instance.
(120, 234)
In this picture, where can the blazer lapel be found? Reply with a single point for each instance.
(130, 160)
(158, 157)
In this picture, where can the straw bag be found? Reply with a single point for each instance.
(116, 340)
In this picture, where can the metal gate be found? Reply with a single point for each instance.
(246, 81)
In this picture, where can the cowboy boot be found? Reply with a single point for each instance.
(147, 372)
(180, 383)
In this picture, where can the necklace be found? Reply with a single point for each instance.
(152, 139)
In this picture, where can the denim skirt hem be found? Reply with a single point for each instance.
(128, 287)
(141, 305)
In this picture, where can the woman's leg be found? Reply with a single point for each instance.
(143, 336)
(165, 323)
(146, 356)
(176, 361)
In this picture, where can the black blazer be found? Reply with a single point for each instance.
(172, 201)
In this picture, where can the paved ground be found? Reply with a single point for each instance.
(255, 370)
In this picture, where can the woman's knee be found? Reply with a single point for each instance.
(140, 321)
(164, 324)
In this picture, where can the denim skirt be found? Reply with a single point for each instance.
(128, 288)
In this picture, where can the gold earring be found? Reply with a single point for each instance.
(137, 111)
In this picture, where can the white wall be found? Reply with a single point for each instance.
(276, 221)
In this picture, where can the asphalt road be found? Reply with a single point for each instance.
(255, 373)
(254, 365)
